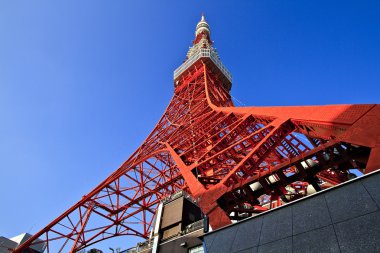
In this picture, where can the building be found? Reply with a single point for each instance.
(178, 227)
(6, 245)
(344, 218)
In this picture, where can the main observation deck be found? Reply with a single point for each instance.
(203, 53)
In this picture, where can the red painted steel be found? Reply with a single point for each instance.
(235, 161)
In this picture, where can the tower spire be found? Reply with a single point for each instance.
(202, 51)
(202, 29)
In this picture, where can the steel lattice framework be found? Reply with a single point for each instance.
(234, 161)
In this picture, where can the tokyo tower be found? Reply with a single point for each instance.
(234, 161)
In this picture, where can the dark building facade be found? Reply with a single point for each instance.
(345, 218)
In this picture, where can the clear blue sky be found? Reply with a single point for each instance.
(82, 83)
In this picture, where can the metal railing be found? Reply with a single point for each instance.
(203, 52)
(141, 246)
(193, 227)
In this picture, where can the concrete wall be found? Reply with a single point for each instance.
(6, 244)
(340, 219)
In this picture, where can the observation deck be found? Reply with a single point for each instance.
(203, 53)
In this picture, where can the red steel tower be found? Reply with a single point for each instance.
(235, 161)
